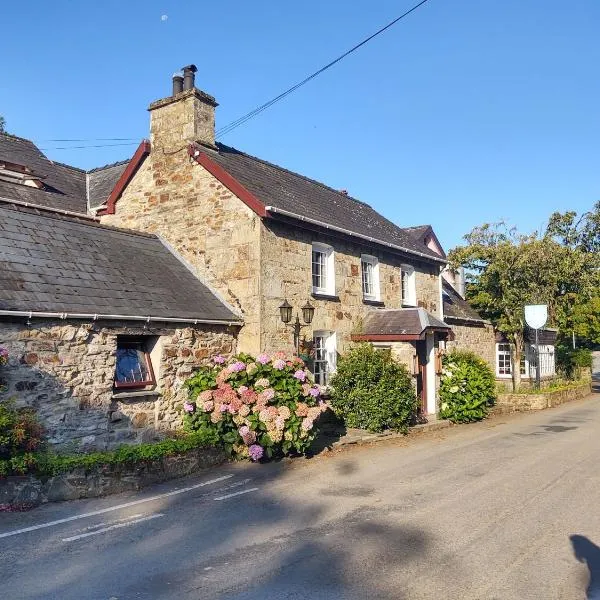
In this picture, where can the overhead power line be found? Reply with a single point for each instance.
(90, 146)
(90, 140)
(253, 113)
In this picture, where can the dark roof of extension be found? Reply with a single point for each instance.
(398, 323)
(64, 186)
(289, 191)
(54, 263)
(102, 180)
(456, 307)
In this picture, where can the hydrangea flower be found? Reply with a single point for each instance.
(263, 382)
(242, 389)
(218, 359)
(3, 356)
(237, 366)
(188, 407)
(285, 412)
(268, 394)
(300, 375)
(251, 368)
(256, 452)
(314, 392)
(205, 395)
(307, 424)
(208, 406)
(245, 410)
(302, 409)
(263, 358)
(279, 364)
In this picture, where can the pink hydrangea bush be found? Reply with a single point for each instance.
(259, 407)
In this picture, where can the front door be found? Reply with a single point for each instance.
(421, 347)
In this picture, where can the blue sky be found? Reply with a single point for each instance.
(465, 112)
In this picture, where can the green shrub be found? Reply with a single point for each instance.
(259, 406)
(50, 464)
(570, 361)
(371, 391)
(467, 387)
(20, 435)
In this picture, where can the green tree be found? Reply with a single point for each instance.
(507, 270)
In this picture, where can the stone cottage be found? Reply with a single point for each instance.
(102, 325)
(264, 237)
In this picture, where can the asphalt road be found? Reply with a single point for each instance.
(485, 511)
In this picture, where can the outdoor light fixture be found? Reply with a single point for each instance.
(308, 312)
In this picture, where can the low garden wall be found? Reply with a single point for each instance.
(507, 403)
(28, 491)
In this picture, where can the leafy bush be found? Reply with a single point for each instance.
(570, 362)
(255, 406)
(467, 387)
(20, 436)
(371, 391)
(50, 464)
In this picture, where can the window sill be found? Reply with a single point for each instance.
(318, 296)
(370, 302)
(407, 305)
(130, 395)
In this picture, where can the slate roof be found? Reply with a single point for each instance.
(456, 307)
(64, 186)
(61, 264)
(101, 182)
(286, 190)
(399, 322)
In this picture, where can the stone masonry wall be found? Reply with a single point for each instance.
(65, 371)
(480, 340)
(204, 222)
(286, 272)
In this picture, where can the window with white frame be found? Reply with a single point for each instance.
(323, 269)
(369, 267)
(529, 359)
(325, 356)
(409, 288)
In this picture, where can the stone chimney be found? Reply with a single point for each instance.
(186, 116)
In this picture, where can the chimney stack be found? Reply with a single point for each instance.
(177, 83)
(188, 115)
(189, 77)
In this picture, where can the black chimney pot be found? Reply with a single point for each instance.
(189, 77)
(177, 83)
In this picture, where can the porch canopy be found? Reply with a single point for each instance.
(401, 325)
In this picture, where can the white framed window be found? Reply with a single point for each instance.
(369, 269)
(408, 286)
(325, 356)
(528, 361)
(503, 361)
(323, 269)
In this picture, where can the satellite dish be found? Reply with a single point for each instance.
(536, 315)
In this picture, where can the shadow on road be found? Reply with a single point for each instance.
(587, 552)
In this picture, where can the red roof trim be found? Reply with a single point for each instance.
(232, 184)
(134, 164)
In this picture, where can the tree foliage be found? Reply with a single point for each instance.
(2, 124)
(507, 270)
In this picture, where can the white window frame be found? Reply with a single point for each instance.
(408, 291)
(366, 261)
(325, 360)
(327, 262)
(548, 368)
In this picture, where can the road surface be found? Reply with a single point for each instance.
(504, 509)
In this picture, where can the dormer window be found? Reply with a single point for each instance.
(409, 288)
(19, 174)
(323, 269)
(369, 266)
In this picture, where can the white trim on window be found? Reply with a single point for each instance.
(325, 360)
(527, 367)
(369, 275)
(503, 360)
(408, 287)
(323, 269)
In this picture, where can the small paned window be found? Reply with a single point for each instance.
(370, 277)
(323, 270)
(409, 289)
(503, 359)
(133, 368)
(325, 355)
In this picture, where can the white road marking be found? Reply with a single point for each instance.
(236, 494)
(107, 523)
(105, 529)
(118, 507)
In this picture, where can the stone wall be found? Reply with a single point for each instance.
(478, 339)
(286, 272)
(65, 371)
(507, 403)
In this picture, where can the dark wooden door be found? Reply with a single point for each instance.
(421, 348)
